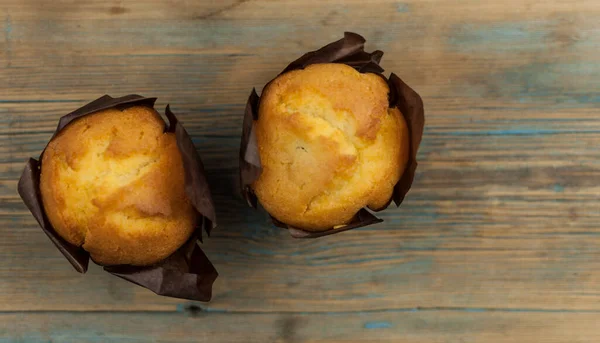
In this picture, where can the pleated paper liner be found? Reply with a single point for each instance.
(350, 51)
(187, 273)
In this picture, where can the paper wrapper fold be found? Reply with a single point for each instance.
(350, 51)
(187, 273)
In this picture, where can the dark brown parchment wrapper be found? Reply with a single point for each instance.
(187, 273)
(350, 51)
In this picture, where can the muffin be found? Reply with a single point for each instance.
(113, 183)
(329, 145)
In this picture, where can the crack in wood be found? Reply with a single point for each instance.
(221, 10)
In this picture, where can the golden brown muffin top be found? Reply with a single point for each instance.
(113, 182)
(329, 146)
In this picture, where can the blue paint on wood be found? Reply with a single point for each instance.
(420, 265)
(262, 251)
(402, 8)
(374, 296)
(214, 34)
(206, 308)
(253, 36)
(584, 99)
(558, 188)
(548, 83)
(475, 310)
(377, 325)
(572, 233)
(8, 25)
(257, 230)
(516, 132)
(61, 334)
(423, 214)
(499, 37)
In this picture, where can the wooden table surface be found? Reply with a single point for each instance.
(498, 241)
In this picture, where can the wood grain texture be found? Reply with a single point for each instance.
(497, 241)
(396, 326)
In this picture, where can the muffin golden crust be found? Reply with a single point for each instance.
(113, 182)
(329, 145)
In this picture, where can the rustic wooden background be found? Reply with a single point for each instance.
(498, 240)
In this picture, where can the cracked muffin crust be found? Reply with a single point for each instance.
(329, 145)
(113, 183)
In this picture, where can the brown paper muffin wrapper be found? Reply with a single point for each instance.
(187, 273)
(350, 51)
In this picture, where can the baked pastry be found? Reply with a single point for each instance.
(329, 145)
(113, 183)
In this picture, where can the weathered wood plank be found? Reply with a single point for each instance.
(509, 254)
(409, 325)
(500, 228)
